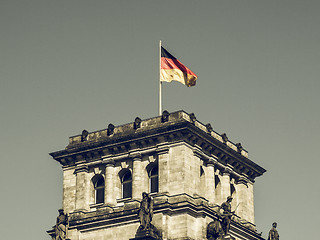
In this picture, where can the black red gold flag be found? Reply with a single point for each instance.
(173, 70)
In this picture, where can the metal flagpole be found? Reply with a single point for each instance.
(160, 83)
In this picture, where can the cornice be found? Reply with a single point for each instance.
(157, 138)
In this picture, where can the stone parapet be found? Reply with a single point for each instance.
(188, 217)
(152, 133)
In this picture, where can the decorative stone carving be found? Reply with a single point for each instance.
(61, 228)
(192, 117)
(145, 213)
(209, 128)
(239, 147)
(84, 135)
(165, 116)
(242, 180)
(214, 230)
(137, 123)
(81, 168)
(219, 229)
(273, 233)
(226, 215)
(110, 129)
(224, 137)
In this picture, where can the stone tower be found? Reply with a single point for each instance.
(187, 168)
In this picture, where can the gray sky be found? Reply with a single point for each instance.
(71, 65)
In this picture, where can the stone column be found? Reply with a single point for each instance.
(137, 175)
(225, 185)
(82, 188)
(210, 182)
(110, 197)
(163, 161)
(242, 190)
(194, 180)
(250, 203)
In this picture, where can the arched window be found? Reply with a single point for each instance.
(126, 182)
(154, 180)
(98, 183)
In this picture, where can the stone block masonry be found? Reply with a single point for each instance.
(194, 170)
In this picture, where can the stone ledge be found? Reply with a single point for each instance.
(100, 147)
(163, 203)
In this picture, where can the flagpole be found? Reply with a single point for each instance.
(160, 83)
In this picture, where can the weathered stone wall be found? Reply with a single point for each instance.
(192, 161)
(184, 170)
(69, 190)
(208, 189)
(118, 232)
(179, 172)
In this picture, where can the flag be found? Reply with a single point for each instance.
(173, 70)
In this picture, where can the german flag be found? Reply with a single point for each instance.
(173, 70)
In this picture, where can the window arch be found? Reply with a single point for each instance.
(98, 184)
(126, 183)
(154, 179)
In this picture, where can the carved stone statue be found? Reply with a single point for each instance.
(239, 147)
(273, 233)
(61, 226)
(226, 215)
(214, 230)
(219, 229)
(192, 117)
(84, 135)
(165, 116)
(224, 137)
(110, 129)
(137, 123)
(145, 211)
(209, 128)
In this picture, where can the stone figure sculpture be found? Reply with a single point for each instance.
(217, 229)
(84, 135)
(192, 117)
(110, 129)
(224, 137)
(214, 230)
(273, 233)
(61, 226)
(137, 123)
(226, 215)
(145, 211)
(165, 116)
